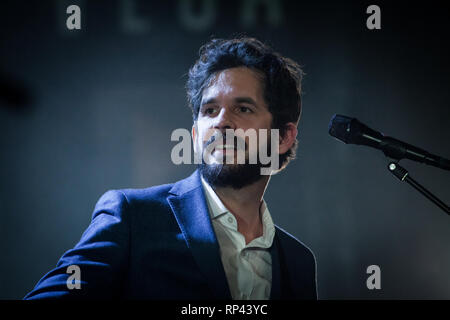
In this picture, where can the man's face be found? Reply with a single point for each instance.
(234, 100)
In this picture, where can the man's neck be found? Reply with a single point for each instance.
(245, 205)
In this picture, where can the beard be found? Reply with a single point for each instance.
(235, 175)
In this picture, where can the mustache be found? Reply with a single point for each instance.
(223, 137)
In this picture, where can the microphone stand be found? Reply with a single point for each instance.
(403, 175)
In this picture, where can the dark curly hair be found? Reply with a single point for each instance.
(282, 79)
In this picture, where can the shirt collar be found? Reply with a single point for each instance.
(218, 209)
(216, 206)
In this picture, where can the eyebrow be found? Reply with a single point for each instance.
(237, 100)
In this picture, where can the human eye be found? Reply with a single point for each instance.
(208, 111)
(245, 109)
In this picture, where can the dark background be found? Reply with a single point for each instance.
(85, 111)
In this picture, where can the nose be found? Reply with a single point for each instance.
(224, 120)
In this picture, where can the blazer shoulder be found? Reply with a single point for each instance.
(150, 194)
(154, 193)
(116, 201)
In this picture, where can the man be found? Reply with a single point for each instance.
(209, 236)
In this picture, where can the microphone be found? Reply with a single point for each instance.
(351, 131)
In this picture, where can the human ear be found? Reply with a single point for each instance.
(288, 139)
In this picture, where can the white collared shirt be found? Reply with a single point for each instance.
(248, 267)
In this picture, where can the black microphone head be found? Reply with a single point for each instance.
(350, 130)
(340, 128)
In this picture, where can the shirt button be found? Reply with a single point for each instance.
(230, 219)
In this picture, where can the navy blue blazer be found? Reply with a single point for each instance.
(159, 243)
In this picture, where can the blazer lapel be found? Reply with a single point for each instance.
(275, 292)
(189, 206)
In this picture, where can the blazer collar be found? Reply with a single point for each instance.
(189, 206)
(275, 291)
